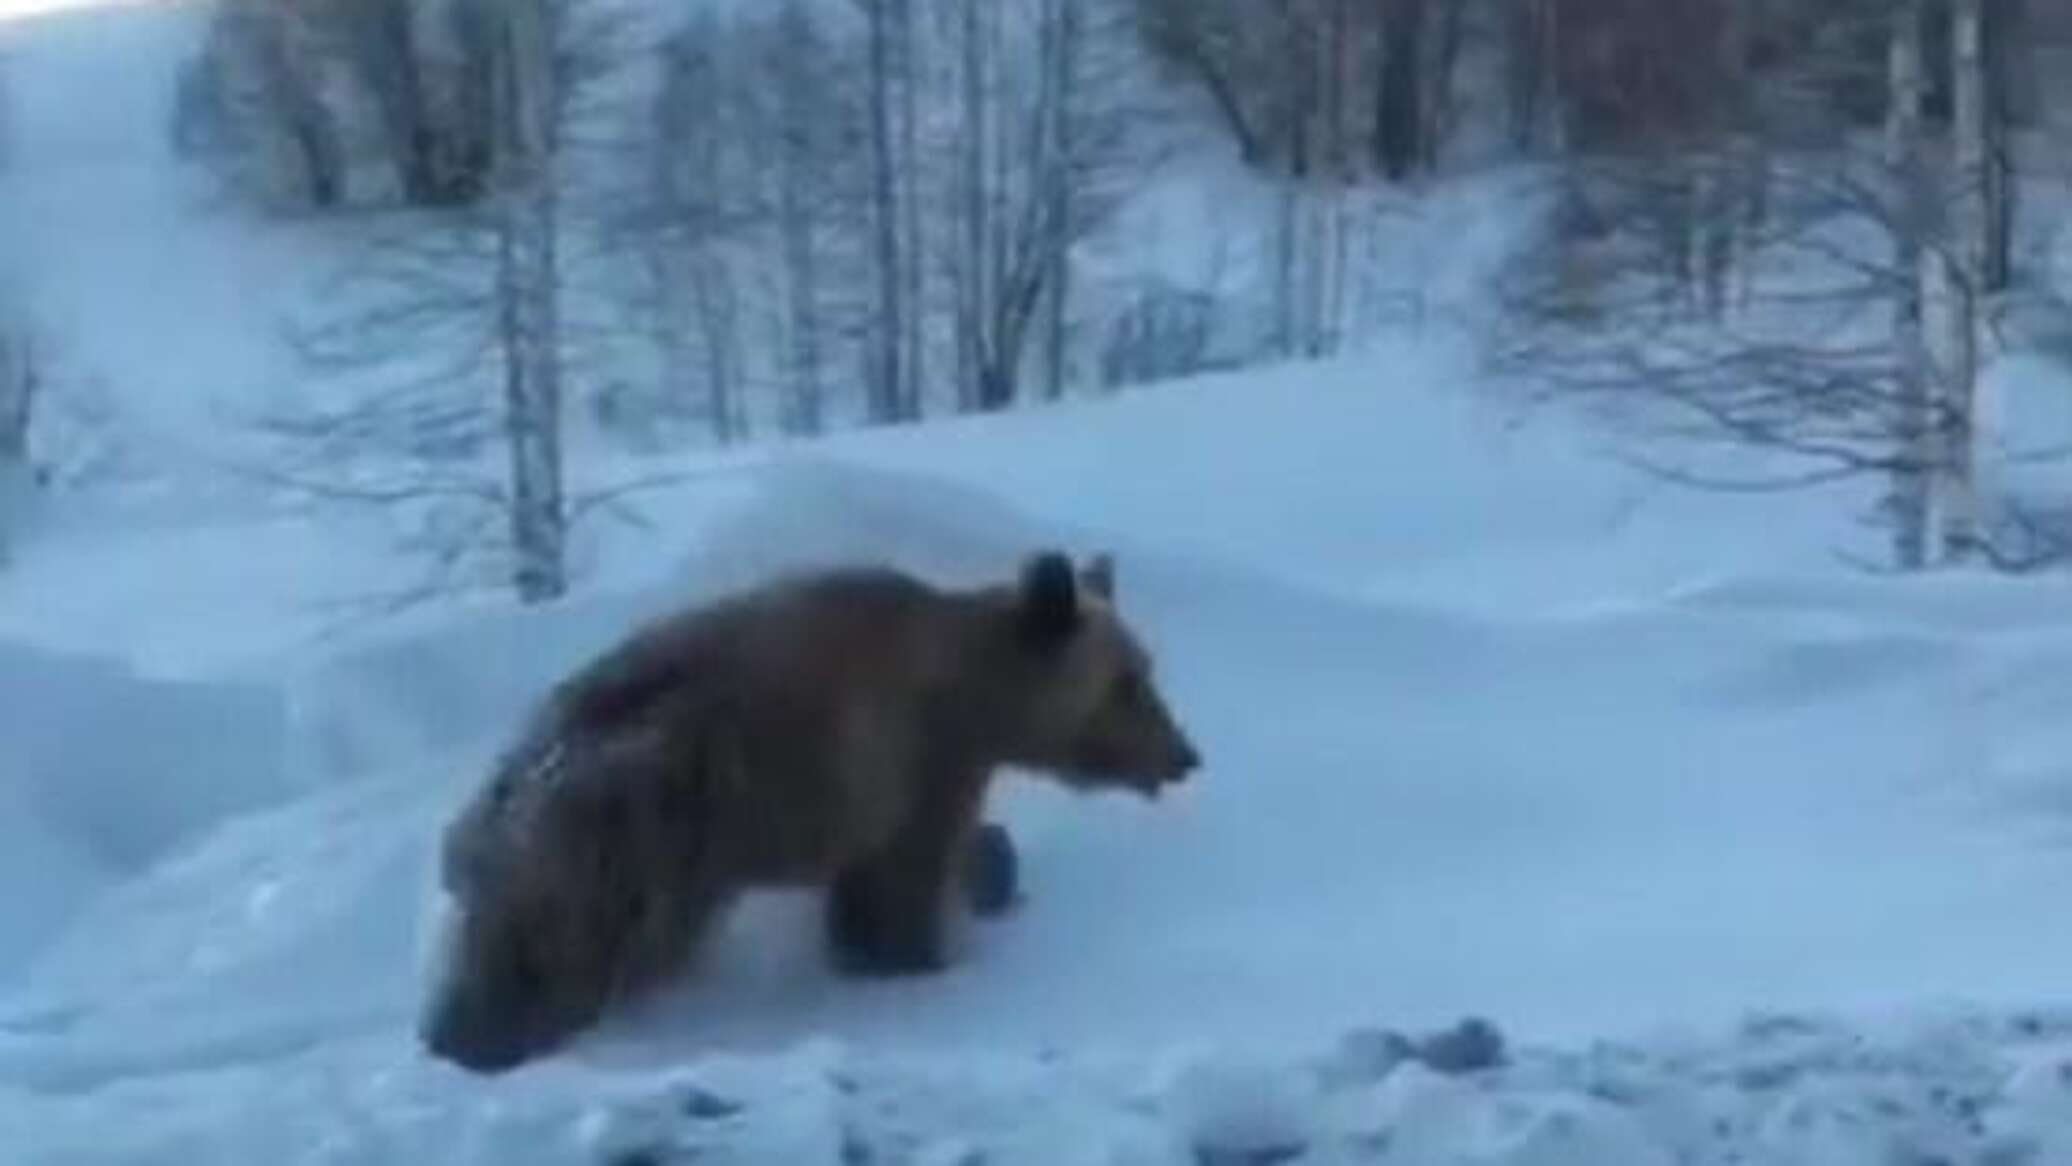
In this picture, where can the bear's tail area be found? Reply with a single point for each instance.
(599, 891)
(478, 844)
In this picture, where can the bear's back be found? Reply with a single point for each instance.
(835, 636)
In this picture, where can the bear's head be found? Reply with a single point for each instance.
(1088, 709)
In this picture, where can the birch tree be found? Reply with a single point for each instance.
(888, 368)
(1064, 24)
(808, 119)
(702, 208)
(1913, 493)
(1041, 157)
(1862, 359)
(1963, 261)
(447, 363)
(528, 290)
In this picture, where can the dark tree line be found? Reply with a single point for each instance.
(324, 103)
(1306, 85)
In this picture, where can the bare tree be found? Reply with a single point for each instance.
(1064, 29)
(1963, 268)
(448, 358)
(1216, 44)
(809, 119)
(702, 205)
(1041, 156)
(1913, 197)
(1855, 346)
(888, 379)
(1400, 121)
(1531, 74)
(529, 293)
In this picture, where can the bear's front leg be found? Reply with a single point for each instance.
(885, 919)
(886, 914)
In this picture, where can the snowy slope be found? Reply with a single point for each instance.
(1763, 789)
(1494, 727)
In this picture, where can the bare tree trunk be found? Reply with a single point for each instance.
(889, 329)
(1001, 352)
(805, 411)
(2006, 50)
(913, 336)
(1726, 179)
(1911, 497)
(1439, 98)
(1552, 131)
(719, 328)
(971, 250)
(1522, 72)
(1337, 90)
(18, 386)
(530, 294)
(1964, 262)
(1065, 24)
(1399, 119)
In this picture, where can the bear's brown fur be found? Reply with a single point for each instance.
(836, 730)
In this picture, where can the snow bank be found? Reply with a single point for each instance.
(104, 772)
(1777, 1091)
(286, 928)
(1427, 801)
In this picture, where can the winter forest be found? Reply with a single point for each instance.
(1595, 478)
(1808, 231)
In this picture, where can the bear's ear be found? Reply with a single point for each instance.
(1099, 576)
(1048, 606)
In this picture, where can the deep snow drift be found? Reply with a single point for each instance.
(1494, 728)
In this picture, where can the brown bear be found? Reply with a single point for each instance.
(836, 729)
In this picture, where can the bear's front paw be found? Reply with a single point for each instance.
(890, 962)
(882, 928)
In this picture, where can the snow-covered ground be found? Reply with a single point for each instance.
(1749, 858)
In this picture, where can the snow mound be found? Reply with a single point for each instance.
(286, 928)
(464, 681)
(105, 772)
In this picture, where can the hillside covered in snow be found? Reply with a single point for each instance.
(1557, 812)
